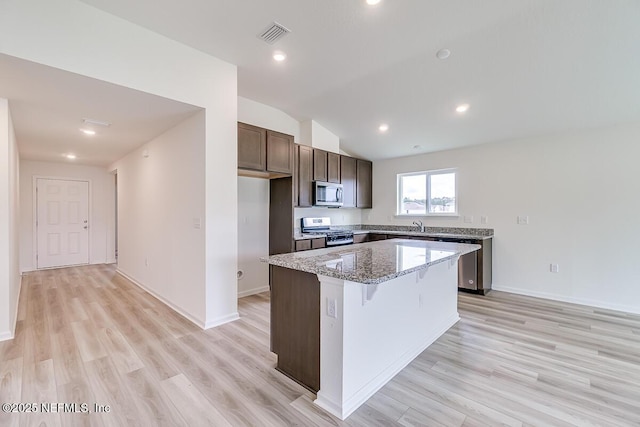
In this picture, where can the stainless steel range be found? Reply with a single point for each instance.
(335, 237)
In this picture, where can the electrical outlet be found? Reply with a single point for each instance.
(468, 219)
(146, 262)
(554, 268)
(332, 308)
(484, 219)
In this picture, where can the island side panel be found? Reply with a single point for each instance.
(295, 324)
(376, 334)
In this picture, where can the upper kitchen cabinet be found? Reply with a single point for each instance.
(304, 176)
(348, 180)
(265, 151)
(319, 165)
(364, 181)
(279, 152)
(333, 167)
(252, 147)
(326, 166)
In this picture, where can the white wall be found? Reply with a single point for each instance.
(159, 244)
(580, 191)
(101, 208)
(253, 235)
(262, 115)
(73, 36)
(10, 279)
(253, 200)
(316, 135)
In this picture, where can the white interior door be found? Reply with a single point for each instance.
(62, 222)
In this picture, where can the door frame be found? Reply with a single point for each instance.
(34, 226)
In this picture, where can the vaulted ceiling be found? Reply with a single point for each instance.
(526, 68)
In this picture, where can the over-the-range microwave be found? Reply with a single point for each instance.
(327, 194)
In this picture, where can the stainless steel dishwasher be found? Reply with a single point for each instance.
(468, 271)
(467, 266)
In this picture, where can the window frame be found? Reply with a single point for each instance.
(428, 174)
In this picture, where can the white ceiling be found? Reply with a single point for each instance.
(526, 67)
(48, 106)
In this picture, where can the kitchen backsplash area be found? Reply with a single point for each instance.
(340, 216)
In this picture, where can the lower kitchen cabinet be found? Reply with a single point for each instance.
(360, 238)
(307, 244)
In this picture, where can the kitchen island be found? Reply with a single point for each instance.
(345, 320)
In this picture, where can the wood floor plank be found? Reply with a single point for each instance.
(153, 404)
(39, 386)
(121, 353)
(192, 405)
(10, 389)
(87, 341)
(110, 391)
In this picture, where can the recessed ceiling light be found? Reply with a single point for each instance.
(383, 127)
(70, 156)
(279, 56)
(443, 53)
(373, 2)
(462, 108)
(88, 131)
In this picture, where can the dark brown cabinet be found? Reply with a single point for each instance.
(364, 181)
(252, 147)
(306, 244)
(319, 165)
(263, 150)
(360, 238)
(305, 176)
(348, 181)
(279, 152)
(333, 167)
(372, 237)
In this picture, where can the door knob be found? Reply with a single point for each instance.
(85, 227)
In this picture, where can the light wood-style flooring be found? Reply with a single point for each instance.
(87, 335)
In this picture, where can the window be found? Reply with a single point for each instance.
(427, 193)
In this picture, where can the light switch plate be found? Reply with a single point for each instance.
(523, 219)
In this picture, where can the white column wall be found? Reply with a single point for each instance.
(10, 279)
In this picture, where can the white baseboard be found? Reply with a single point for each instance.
(7, 335)
(192, 319)
(212, 323)
(573, 300)
(15, 317)
(253, 291)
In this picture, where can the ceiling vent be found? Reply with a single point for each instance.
(273, 33)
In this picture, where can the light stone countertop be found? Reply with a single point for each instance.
(372, 262)
(454, 233)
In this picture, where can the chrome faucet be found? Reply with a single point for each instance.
(419, 225)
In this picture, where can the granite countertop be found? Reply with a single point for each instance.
(426, 234)
(457, 234)
(372, 262)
